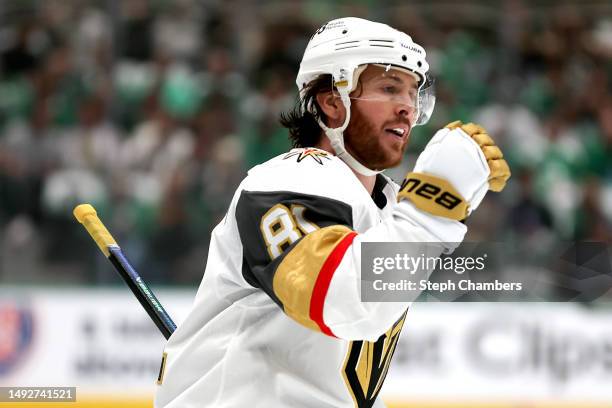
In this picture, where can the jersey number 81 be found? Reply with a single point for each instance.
(281, 226)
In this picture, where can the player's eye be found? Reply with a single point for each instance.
(390, 89)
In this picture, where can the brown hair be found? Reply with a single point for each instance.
(304, 130)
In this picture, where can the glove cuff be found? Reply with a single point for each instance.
(433, 195)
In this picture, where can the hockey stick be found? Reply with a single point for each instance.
(87, 216)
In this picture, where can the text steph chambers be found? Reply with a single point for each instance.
(464, 284)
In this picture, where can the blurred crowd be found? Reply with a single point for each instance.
(152, 111)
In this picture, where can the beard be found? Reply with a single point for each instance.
(362, 140)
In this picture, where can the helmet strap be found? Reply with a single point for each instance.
(336, 138)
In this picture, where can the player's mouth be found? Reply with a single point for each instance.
(400, 132)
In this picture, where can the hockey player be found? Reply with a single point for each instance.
(278, 320)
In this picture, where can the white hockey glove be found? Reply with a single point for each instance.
(452, 175)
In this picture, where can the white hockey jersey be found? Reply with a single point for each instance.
(278, 320)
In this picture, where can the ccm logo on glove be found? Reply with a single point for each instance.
(433, 195)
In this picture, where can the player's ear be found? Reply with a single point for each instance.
(333, 108)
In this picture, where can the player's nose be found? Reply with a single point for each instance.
(405, 111)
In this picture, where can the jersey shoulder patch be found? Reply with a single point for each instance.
(310, 153)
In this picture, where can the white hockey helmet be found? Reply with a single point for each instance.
(342, 48)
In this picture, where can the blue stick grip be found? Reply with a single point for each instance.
(142, 292)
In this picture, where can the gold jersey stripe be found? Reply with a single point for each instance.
(297, 274)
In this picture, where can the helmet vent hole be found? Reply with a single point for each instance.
(344, 31)
(404, 58)
(419, 64)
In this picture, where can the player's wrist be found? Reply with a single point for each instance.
(448, 231)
